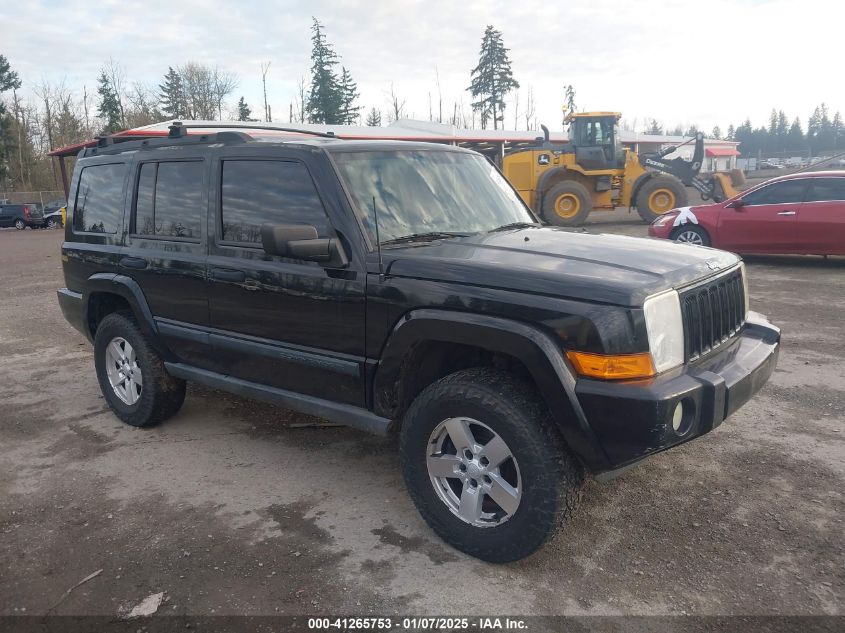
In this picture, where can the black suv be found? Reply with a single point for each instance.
(404, 287)
(21, 216)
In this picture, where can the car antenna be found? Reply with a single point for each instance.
(378, 243)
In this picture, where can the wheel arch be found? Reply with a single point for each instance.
(404, 369)
(638, 184)
(106, 293)
(553, 176)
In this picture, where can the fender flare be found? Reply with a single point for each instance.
(545, 179)
(537, 351)
(638, 184)
(128, 289)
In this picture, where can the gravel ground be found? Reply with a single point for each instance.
(229, 509)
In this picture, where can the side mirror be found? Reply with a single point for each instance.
(735, 204)
(300, 241)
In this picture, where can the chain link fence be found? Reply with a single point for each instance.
(53, 198)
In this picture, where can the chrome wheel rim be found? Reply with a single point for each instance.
(690, 237)
(122, 368)
(473, 472)
(19, 224)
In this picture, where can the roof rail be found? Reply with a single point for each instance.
(177, 128)
(118, 144)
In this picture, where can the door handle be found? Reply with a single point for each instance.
(786, 212)
(136, 263)
(228, 274)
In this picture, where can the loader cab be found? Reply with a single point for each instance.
(595, 137)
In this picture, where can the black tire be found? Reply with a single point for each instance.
(161, 394)
(575, 193)
(685, 233)
(551, 477)
(52, 223)
(20, 225)
(676, 195)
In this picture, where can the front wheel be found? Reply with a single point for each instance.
(20, 225)
(659, 195)
(485, 467)
(691, 234)
(568, 203)
(51, 223)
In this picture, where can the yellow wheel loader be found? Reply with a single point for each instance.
(563, 182)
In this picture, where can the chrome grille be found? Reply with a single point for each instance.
(713, 313)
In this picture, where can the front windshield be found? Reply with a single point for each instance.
(423, 191)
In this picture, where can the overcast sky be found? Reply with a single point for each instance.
(679, 61)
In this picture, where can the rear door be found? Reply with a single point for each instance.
(166, 248)
(766, 221)
(821, 223)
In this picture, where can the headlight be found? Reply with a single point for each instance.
(744, 288)
(666, 218)
(665, 330)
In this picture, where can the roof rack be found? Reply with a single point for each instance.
(177, 128)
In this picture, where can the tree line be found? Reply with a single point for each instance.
(824, 133)
(57, 116)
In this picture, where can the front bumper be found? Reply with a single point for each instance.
(633, 419)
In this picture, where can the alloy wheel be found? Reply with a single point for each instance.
(123, 371)
(690, 237)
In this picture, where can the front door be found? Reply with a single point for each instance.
(278, 321)
(766, 221)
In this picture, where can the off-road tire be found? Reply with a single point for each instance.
(575, 189)
(675, 186)
(552, 478)
(161, 395)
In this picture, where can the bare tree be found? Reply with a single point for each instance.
(516, 109)
(530, 108)
(223, 84)
(117, 78)
(397, 106)
(300, 101)
(265, 68)
(439, 96)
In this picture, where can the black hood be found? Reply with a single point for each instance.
(612, 269)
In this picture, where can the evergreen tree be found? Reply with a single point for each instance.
(374, 118)
(349, 92)
(717, 132)
(326, 98)
(172, 95)
(692, 130)
(492, 79)
(569, 94)
(244, 111)
(109, 108)
(731, 132)
(838, 132)
(782, 130)
(654, 127)
(9, 80)
(795, 136)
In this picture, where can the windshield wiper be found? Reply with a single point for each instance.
(424, 237)
(512, 225)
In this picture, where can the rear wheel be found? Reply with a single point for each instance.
(131, 374)
(52, 223)
(691, 234)
(659, 195)
(20, 225)
(485, 467)
(568, 203)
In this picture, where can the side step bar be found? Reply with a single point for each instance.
(341, 413)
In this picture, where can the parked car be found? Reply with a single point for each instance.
(768, 164)
(21, 216)
(405, 288)
(800, 214)
(55, 219)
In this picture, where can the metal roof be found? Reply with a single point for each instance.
(403, 130)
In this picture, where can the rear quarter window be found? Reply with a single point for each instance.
(99, 199)
(827, 189)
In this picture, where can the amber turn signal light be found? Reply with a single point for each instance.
(612, 367)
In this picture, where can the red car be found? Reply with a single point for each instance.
(802, 214)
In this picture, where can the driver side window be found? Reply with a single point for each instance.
(784, 192)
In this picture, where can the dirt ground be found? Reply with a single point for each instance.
(230, 510)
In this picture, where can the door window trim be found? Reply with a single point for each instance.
(771, 184)
(813, 187)
(133, 209)
(218, 220)
(121, 218)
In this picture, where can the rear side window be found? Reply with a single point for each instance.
(99, 199)
(783, 192)
(169, 202)
(827, 189)
(256, 192)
